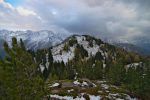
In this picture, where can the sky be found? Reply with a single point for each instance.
(117, 19)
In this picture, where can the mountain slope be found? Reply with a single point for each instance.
(91, 46)
(77, 66)
(86, 47)
(141, 45)
(33, 39)
(132, 48)
(85, 57)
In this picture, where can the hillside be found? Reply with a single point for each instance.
(80, 57)
(81, 67)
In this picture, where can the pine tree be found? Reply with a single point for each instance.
(18, 78)
(98, 56)
(50, 56)
(98, 70)
(22, 44)
(116, 73)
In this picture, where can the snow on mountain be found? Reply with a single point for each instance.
(34, 39)
(59, 54)
(91, 50)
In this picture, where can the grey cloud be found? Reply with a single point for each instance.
(110, 18)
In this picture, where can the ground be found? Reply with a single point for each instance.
(84, 89)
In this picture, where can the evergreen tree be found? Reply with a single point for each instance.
(98, 70)
(116, 73)
(98, 56)
(18, 78)
(66, 47)
(50, 56)
(22, 44)
(80, 52)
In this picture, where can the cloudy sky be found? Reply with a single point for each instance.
(119, 19)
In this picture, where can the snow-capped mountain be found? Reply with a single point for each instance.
(32, 39)
(45, 39)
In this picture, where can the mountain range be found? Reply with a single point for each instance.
(44, 39)
(33, 39)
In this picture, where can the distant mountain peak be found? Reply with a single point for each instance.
(34, 39)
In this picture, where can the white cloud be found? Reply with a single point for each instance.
(1, 1)
(18, 18)
(25, 12)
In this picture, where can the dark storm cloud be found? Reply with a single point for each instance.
(118, 19)
(141, 3)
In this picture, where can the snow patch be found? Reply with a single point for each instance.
(92, 97)
(47, 62)
(76, 82)
(60, 55)
(84, 84)
(61, 97)
(55, 85)
(91, 50)
(105, 86)
(42, 68)
(133, 65)
(70, 90)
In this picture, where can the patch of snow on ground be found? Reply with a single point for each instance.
(55, 85)
(61, 97)
(94, 85)
(134, 65)
(117, 95)
(129, 98)
(76, 82)
(119, 99)
(42, 68)
(92, 97)
(70, 90)
(100, 82)
(105, 86)
(66, 97)
(47, 62)
(85, 84)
